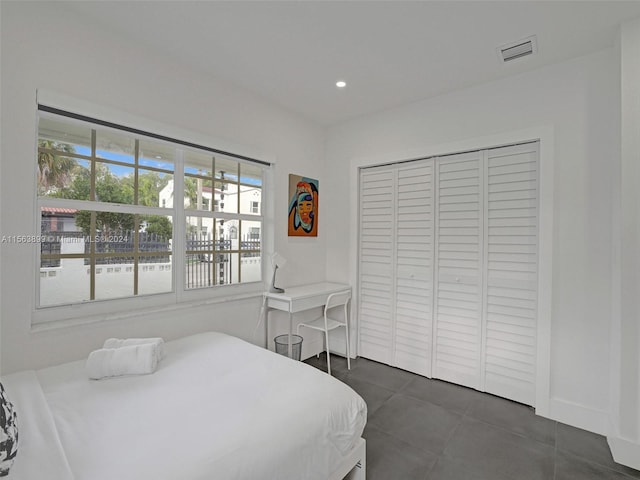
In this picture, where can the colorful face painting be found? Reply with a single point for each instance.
(303, 206)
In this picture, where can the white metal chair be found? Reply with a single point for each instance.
(326, 324)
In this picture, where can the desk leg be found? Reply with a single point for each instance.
(266, 328)
(290, 334)
(264, 312)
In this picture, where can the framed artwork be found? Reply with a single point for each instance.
(303, 206)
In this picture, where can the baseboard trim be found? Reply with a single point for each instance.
(625, 452)
(579, 416)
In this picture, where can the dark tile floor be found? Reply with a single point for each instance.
(425, 429)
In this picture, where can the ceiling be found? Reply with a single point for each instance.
(389, 52)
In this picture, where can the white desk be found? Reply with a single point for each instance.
(298, 299)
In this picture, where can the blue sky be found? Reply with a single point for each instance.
(121, 171)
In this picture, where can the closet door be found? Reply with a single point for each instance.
(376, 263)
(448, 268)
(511, 275)
(459, 269)
(414, 266)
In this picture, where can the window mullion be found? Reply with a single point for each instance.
(238, 209)
(92, 194)
(92, 225)
(214, 235)
(136, 249)
(102, 206)
(136, 220)
(179, 227)
(92, 257)
(136, 173)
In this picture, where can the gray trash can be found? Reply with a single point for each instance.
(282, 345)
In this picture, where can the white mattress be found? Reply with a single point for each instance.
(216, 408)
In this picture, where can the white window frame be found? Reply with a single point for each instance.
(179, 298)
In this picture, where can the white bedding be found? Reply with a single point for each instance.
(40, 453)
(216, 408)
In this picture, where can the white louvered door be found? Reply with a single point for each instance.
(377, 219)
(459, 263)
(448, 268)
(511, 276)
(414, 267)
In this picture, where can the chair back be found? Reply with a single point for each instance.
(337, 299)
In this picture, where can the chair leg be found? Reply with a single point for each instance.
(346, 331)
(326, 340)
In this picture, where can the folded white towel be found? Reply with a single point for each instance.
(125, 342)
(128, 360)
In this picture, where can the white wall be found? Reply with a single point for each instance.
(0, 205)
(625, 345)
(578, 101)
(46, 47)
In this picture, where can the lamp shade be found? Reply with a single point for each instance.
(278, 260)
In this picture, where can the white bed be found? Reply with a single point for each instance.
(216, 408)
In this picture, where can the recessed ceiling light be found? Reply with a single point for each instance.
(159, 157)
(341, 84)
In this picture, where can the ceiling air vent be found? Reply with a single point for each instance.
(519, 49)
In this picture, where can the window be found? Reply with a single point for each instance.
(110, 223)
(213, 253)
(255, 207)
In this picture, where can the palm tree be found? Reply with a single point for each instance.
(191, 190)
(54, 171)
